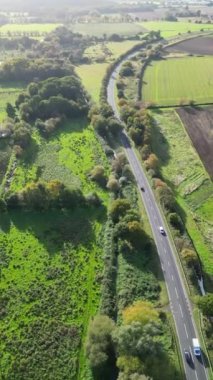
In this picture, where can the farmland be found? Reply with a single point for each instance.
(181, 166)
(171, 29)
(198, 45)
(92, 76)
(99, 29)
(21, 29)
(171, 81)
(198, 125)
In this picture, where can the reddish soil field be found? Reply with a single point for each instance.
(199, 45)
(199, 125)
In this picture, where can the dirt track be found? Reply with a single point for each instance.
(199, 125)
(199, 45)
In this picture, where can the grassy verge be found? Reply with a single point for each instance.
(181, 167)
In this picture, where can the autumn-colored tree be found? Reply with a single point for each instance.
(189, 256)
(98, 174)
(140, 311)
(113, 185)
(118, 208)
(152, 161)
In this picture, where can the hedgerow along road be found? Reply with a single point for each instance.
(179, 301)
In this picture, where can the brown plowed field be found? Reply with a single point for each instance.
(199, 45)
(199, 125)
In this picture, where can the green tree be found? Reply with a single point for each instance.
(11, 112)
(205, 304)
(99, 345)
(118, 208)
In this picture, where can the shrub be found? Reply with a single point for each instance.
(119, 208)
(98, 175)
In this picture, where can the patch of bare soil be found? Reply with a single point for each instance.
(199, 125)
(199, 45)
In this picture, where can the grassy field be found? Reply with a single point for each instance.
(91, 76)
(68, 156)
(181, 166)
(171, 29)
(8, 94)
(49, 263)
(167, 82)
(52, 262)
(27, 28)
(98, 29)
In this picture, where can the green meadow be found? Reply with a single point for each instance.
(175, 80)
(27, 28)
(172, 29)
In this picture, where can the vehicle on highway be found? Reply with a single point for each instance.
(142, 189)
(188, 356)
(196, 347)
(162, 231)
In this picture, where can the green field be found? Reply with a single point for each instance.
(8, 94)
(27, 28)
(181, 166)
(91, 76)
(98, 29)
(168, 82)
(171, 29)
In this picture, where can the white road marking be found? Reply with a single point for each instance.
(172, 278)
(186, 331)
(165, 250)
(181, 310)
(168, 263)
(176, 292)
(196, 375)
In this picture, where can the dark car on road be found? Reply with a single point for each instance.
(142, 189)
(188, 356)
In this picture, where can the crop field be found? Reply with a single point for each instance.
(26, 28)
(199, 45)
(171, 81)
(181, 165)
(171, 29)
(198, 123)
(98, 29)
(51, 262)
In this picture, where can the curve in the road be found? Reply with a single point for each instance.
(179, 301)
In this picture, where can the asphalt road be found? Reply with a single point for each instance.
(179, 302)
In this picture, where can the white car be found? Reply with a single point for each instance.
(162, 230)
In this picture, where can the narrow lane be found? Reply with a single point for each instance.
(179, 302)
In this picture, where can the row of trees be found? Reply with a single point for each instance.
(43, 196)
(135, 346)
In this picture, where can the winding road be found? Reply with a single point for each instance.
(179, 301)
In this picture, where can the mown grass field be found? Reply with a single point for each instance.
(171, 29)
(92, 75)
(168, 82)
(181, 166)
(8, 94)
(52, 262)
(27, 28)
(99, 29)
